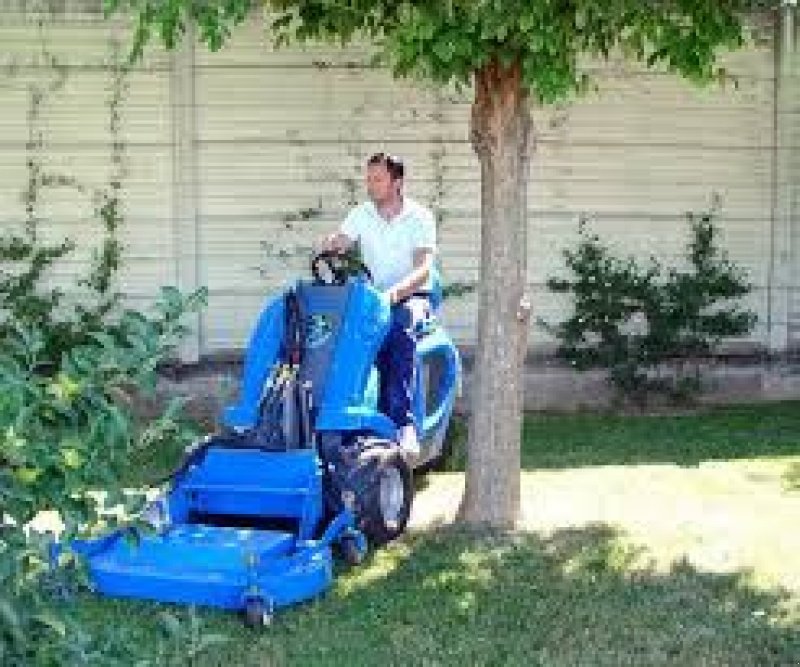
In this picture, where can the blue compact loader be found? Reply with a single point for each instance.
(306, 465)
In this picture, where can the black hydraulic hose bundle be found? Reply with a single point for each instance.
(284, 417)
(297, 399)
(296, 335)
(287, 407)
(293, 335)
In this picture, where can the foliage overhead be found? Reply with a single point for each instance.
(448, 40)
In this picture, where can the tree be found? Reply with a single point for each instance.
(512, 52)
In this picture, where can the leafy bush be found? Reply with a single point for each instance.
(70, 361)
(638, 321)
(64, 436)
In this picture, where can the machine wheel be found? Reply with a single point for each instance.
(384, 504)
(351, 553)
(439, 462)
(257, 614)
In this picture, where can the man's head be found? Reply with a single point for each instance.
(384, 178)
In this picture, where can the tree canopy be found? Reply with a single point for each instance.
(448, 40)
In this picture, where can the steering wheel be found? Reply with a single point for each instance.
(333, 268)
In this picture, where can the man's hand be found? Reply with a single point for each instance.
(423, 261)
(391, 296)
(336, 242)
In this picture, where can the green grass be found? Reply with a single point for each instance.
(658, 540)
(555, 441)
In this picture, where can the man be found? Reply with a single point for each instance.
(397, 237)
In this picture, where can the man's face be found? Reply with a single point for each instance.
(380, 186)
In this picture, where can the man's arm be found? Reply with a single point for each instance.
(423, 261)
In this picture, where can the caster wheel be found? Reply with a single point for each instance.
(258, 614)
(351, 552)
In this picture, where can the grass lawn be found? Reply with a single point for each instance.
(662, 540)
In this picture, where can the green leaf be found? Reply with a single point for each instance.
(72, 458)
(444, 49)
(11, 621)
(50, 621)
(27, 475)
(425, 38)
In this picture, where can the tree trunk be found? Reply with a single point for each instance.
(500, 134)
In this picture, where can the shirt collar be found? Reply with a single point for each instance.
(376, 214)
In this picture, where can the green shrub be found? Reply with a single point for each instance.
(647, 325)
(64, 436)
(70, 361)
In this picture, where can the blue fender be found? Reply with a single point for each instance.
(262, 354)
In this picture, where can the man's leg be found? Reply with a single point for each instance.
(383, 365)
(397, 364)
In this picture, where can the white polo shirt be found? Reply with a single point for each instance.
(387, 247)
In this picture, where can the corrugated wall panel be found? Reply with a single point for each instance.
(633, 158)
(73, 120)
(280, 138)
(283, 135)
(790, 115)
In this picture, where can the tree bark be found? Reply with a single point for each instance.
(500, 132)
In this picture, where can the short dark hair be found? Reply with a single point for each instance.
(394, 165)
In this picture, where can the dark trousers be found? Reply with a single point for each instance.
(396, 361)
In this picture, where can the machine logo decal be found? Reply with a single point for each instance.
(318, 331)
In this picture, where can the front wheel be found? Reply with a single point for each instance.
(258, 613)
(352, 553)
(384, 503)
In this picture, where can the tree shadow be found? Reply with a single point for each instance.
(791, 478)
(452, 597)
(449, 597)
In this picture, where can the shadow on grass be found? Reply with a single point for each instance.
(455, 598)
(791, 478)
(592, 439)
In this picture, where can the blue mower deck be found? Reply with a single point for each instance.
(210, 565)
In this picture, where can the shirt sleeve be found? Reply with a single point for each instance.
(351, 226)
(425, 236)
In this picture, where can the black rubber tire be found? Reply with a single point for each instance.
(377, 462)
(350, 552)
(256, 613)
(439, 462)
